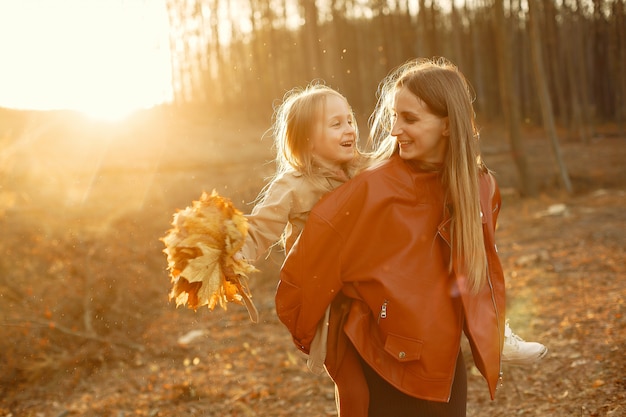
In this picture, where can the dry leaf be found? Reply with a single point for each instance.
(201, 253)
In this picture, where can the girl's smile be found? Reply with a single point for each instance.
(334, 141)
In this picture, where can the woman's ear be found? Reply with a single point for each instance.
(446, 126)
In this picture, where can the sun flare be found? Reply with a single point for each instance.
(103, 58)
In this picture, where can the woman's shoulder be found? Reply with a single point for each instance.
(392, 169)
(357, 188)
(376, 166)
(487, 180)
(489, 190)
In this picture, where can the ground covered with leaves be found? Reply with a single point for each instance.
(86, 328)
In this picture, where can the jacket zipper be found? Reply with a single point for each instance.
(495, 307)
(383, 311)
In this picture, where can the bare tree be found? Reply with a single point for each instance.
(510, 103)
(354, 43)
(310, 39)
(543, 94)
(617, 39)
(553, 58)
(574, 47)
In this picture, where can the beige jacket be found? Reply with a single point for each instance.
(283, 211)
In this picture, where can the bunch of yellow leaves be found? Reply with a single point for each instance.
(202, 258)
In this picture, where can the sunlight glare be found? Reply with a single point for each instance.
(103, 58)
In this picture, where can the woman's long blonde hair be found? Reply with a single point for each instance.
(446, 92)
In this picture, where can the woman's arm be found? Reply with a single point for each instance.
(309, 280)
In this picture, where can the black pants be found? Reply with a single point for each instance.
(387, 401)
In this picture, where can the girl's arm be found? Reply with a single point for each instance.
(268, 219)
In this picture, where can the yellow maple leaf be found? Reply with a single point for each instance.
(204, 268)
(201, 253)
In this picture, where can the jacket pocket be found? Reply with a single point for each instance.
(402, 348)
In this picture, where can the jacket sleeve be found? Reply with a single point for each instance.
(496, 200)
(310, 278)
(268, 219)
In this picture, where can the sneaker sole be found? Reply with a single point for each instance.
(526, 361)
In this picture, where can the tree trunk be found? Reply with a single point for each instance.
(573, 52)
(619, 53)
(543, 95)
(510, 103)
(554, 57)
(310, 36)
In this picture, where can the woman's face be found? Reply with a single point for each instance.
(335, 136)
(421, 135)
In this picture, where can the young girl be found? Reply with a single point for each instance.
(316, 151)
(316, 139)
(405, 255)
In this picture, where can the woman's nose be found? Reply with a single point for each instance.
(395, 129)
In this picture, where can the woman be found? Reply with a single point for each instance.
(405, 255)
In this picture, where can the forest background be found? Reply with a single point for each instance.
(85, 324)
(530, 62)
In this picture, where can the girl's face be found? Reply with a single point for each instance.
(334, 141)
(421, 135)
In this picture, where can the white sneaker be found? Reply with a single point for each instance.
(517, 351)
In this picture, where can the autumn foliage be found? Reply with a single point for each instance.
(202, 258)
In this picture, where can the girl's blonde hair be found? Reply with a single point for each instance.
(294, 123)
(446, 92)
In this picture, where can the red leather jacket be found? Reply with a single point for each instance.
(377, 249)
